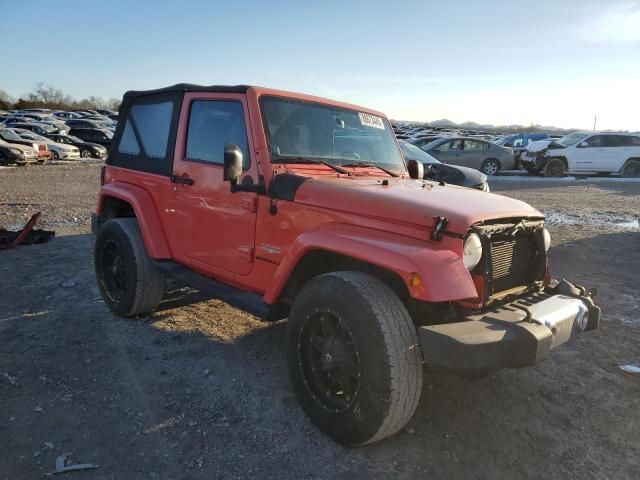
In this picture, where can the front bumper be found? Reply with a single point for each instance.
(23, 159)
(70, 155)
(515, 335)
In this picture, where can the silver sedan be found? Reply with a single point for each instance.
(485, 156)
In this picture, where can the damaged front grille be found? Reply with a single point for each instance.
(513, 255)
(513, 261)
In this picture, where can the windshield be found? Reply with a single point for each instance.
(570, 139)
(411, 152)
(299, 130)
(11, 135)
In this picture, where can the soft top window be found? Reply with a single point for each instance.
(145, 136)
(153, 122)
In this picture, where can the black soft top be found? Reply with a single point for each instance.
(186, 87)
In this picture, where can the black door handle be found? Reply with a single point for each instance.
(181, 180)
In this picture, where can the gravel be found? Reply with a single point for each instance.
(199, 390)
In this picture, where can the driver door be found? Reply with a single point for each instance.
(589, 153)
(213, 228)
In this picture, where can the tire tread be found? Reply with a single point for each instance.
(405, 356)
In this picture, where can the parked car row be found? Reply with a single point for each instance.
(538, 153)
(462, 147)
(55, 134)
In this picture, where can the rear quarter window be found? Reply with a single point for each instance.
(145, 138)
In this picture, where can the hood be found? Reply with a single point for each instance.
(411, 201)
(61, 146)
(539, 145)
(25, 149)
(463, 176)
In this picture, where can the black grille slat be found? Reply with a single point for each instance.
(512, 261)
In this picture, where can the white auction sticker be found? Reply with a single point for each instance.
(371, 120)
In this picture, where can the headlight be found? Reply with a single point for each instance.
(547, 239)
(472, 251)
(16, 151)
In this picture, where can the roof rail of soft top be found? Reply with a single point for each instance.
(187, 87)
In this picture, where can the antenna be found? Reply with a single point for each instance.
(595, 120)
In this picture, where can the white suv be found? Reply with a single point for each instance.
(594, 152)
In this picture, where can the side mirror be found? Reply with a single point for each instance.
(583, 145)
(416, 169)
(232, 163)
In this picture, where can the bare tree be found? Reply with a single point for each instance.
(114, 104)
(5, 100)
(46, 96)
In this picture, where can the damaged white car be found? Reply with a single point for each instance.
(584, 152)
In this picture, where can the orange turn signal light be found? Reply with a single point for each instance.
(414, 280)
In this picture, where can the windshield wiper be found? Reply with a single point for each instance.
(286, 160)
(370, 164)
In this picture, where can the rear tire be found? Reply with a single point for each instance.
(129, 282)
(491, 166)
(631, 169)
(555, 167)
(362, 383)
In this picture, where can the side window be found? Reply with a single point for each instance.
(473, 145)
(619, 141)
(212, 124)
(595, 141)
(128, 142)
(152, 121)
(445, 147)
(633, 141)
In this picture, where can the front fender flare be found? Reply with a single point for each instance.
(444, 276)
(146, 215)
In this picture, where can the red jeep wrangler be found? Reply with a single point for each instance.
(287, 205)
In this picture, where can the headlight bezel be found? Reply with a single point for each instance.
(472, 251)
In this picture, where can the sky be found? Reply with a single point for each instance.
(557, 63)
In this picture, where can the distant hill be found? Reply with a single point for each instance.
(446, 123)
(443, 123)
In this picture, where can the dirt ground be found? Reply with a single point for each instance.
(200, 390)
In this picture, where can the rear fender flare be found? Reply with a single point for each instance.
(146, 215)
(444, 276)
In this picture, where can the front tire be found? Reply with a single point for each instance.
(555, 167)
(490, 166)
(54, 155)
(354, 358)
(129, 282)
(86, 154)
